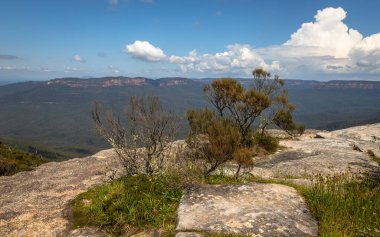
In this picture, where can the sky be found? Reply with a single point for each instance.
(296, 39)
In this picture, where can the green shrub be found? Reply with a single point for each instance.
(129, 203)
(268, 143)
(7, 166)
(13, 160)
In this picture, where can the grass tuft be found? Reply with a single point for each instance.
(129, 204)
(344, 206)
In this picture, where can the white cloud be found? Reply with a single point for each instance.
(71, 69)
(6, 68)
(328, 33)
(78, 58)
(327, 46)
(145, 51)
(324, 48)
(237, 59)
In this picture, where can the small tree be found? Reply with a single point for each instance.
(143, 137)
(236, 119)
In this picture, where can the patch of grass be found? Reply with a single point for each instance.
(13, 160)
(344, 206)
(130, 204)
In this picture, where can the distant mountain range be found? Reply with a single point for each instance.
(54, 117)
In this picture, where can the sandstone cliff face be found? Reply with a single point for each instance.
(36, 203)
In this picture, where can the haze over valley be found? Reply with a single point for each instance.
(54, 117)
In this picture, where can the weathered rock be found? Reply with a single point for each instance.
(86, 232)
(335, 153)
(256, 209)
(36, 203)
(188, 234)
(152, 233)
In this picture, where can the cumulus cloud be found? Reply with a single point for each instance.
(324, 48)
(328, 33)
(327, 45)
(237, 59)
(8, 57)
(78, 58)
(143, 50)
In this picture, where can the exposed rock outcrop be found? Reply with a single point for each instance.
(36, 203)
(324, 153)
(255, 209)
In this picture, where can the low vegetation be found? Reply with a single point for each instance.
(141, 139)
(345, 206)
(129, 205)
(13, 160)
(148, 194)
(236, 129)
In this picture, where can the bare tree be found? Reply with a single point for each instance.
(142, 138)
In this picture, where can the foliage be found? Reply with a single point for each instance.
(233, 132)
(268, 143)
(222, 142)
(13, 160)
(345, 206)
(243, 158)
(129, 204)
(141, 143)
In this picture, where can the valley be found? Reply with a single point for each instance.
(53, 118)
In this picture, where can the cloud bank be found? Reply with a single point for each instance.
(237, 59)
(325, 46)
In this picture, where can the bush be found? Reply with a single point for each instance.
(13, 160)
(232, 131)
(7, 167)
(218, 144)
(143, 141)
(268, 143)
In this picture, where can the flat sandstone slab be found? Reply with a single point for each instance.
(254, 209)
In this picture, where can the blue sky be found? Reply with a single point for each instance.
(300, 39)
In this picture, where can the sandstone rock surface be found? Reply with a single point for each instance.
(255, 209)
(331, 153)
(35, 203)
